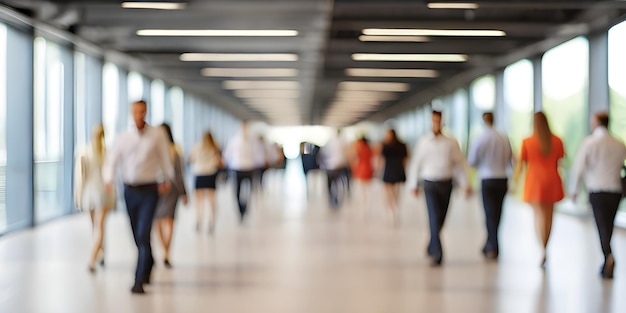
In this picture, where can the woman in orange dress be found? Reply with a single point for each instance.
(541, 153)
(362, 170)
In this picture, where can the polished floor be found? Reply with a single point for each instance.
(295, 255)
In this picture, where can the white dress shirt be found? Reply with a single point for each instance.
(491, 154)
(334, 154)
(143, 157)
(204, 161)
(599, 161)
(244, 153)
(437, 158)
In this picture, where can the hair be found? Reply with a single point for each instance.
(394, 136)
(208, 141)
(543, 133)
(603, 119)
(97, 140)
(437, 113)
(488, 118)
(143, 102)
(168, 132)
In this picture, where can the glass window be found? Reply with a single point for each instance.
(565, 71)
(617, 85)
(518, 98)
(81, 133)
(48, 129)
(3, 125)
(110, 105)
(157, 102)
(483, 91)
(460, 120)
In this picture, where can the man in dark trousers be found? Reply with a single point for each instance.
(599, 163)
(142, 156)
(437, 158)
(491, 154)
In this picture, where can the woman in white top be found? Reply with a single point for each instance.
(206, 160)
(89, 191)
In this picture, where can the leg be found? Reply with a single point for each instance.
(332, 188)
(145, 216)
(493, 193)
(199, 208)
(213, 209)
(605, 207)
(98, 233)
(242, 208)
(433, 204)
(166, 230)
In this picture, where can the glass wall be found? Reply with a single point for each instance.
(518, 102)
(51, 65)
(110, 98)
(460, 109)
(3, 126)
(157, 102)
(565, 90)
(483, 96)
(617, 89)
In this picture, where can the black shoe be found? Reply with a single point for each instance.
(491, 255)
(167, 263)
(608, 267)
(436, 262)
(137, 289)
(91, 269)
(102, 262)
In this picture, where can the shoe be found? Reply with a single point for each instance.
(137, 289)
(607, 269)
(102, 262)
(91, 269)
(435, 262)
(167, 263)
(544, 262)
(491, 255)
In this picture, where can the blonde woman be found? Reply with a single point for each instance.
(206, 160)
(89, 191)
(541, 153)
(166, 207)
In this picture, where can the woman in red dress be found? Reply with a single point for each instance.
(543, 187)
(362, 170)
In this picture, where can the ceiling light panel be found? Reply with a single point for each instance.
(238, 57)
(402, 73)
(433, 32)
(250, 72)
(394, 38)
(259, 84)
(409, 57)
(154, 5)
(374, 86)
(278, 94)
(452, 5)
(216, 33)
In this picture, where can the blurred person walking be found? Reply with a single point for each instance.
(395, 156)
(543, 187)
(90, 193)
(334, 160)
(362, 171)
(206, 161)
(598, 163)
(492, 155)
(142, 154)
(166, 207)
(438, 159)
(244, 155)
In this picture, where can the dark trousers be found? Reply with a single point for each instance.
(605, 205)
(493, 191)
(437, 200)
(141, 202)
(242, 200)
(336, 180)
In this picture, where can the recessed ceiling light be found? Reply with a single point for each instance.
(433, 32)
(271, 101)
(452, 5)
(409, 57)
(381, 72)
(250, 72)
(238, 57)
(277, 94)
(374, 86)
(217, 33)
(154, 5)
(365, 95)
(260, 84)
(394, 38)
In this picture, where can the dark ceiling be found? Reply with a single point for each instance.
(328, 36)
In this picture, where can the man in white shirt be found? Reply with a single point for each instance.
(437, 160)
(599, 162)
(244, 155)
(491, 154)
(142, 156)
(334, 160)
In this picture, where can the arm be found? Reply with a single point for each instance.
(111, 162)
(180, 176)
(165, 161)
(578, 169)
(79, 179)
(472, 157)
